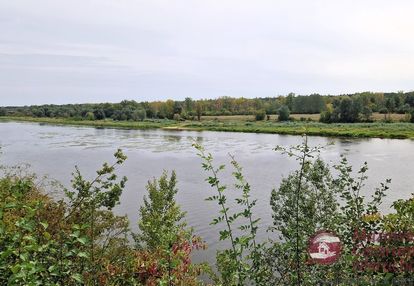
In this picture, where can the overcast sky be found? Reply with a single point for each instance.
(54, 51)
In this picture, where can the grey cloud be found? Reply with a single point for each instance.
(91, 50)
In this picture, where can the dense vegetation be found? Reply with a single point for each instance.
(345, 108)
(79, 241)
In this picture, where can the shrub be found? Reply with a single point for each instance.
(138, 115)
(79, 241)
(241, 263)
(176, 117)
(383, 110)
(70, 242)
(284, 113)
(366, 113)
(260, 115)
(326, 117)
(3, 111)
(310, 199)
(164, 243)
(90, 116)
(43, 242)
(160, 217)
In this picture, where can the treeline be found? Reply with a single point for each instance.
(170, 109)
(343, 108)
(359, 107)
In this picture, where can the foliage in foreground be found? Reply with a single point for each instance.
(166, 241)
(314, 197)
(79, 240)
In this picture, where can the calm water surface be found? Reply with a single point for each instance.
(55, 150)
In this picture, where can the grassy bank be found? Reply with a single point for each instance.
(355, 130)
(377, 117)
(150, 124)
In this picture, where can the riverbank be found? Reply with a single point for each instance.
(353, 130)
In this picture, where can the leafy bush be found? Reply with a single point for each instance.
(284, 113)
(309, 199)
(165, 244)
(260, 115)
(44, 242)
(240, 264)
(383, 110)
(177, 117)
(79, 241)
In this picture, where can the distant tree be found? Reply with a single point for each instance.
(272, 106)
(178, 108)
(326, 116)
(344, 110)
(308, 104)
(390, 104)
(138, 115)
(347, 110)
(409, 99)
(199, 110)
(397, 100)
(383, 110)
(177, 117)
(289, 100)
(38, 112)
(48, 112)
(149, 110)
(170, 106)
(412, 116)
(284, 113)
(185, 115)
(260, 115)
(108, 109)
(188, 105)
(366, 113)
(405, 109)
(162, 113)
(99, 114)
(89, 116)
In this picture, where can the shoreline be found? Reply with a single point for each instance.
(347, 130)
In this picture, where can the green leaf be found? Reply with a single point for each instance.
(77, 277)
(224, 234)
(83, 240)
(52, 268)
(10, 205)
(45, 225)
(83, 255)
(15, 268)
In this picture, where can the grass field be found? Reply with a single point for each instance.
(401, 130)
(314, 117)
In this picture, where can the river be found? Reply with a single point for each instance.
(55, 150)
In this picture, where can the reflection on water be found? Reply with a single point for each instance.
(55, 150)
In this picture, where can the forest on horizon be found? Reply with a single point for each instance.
(339, 108)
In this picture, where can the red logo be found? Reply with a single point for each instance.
(324, 247)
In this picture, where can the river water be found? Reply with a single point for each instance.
(55, 150)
